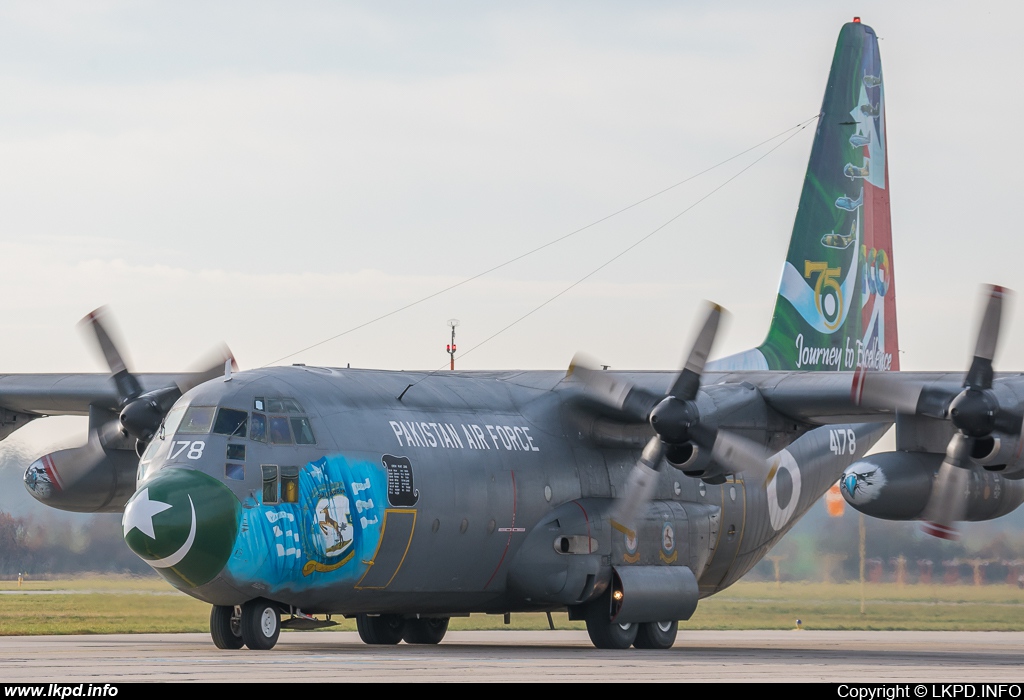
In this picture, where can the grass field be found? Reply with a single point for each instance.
(110, 604)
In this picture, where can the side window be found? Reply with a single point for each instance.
(279, 431)
(230, 422)
(197, 421)
(289, 484)
(258, 428)
(269, 483)
(303, 431)
(234, 470)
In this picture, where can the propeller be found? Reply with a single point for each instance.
(142, 412)
(676, 420)
(974, 411)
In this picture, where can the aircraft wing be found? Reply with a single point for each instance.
(38, 395)
(821, 398)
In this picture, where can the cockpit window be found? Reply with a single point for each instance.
(230, 422)
(303, 431)
(159, 441)
(147, 456)
(283, 406)
(197, 420)
(171, 422)
(289, 484)
(269, 483)
(258, 428)
(279, 432)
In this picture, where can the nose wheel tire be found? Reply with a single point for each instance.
(261, 624)
(425, 630)
(226, 627)
(656, 635)
(381, 629)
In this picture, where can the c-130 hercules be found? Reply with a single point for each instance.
(622, 497)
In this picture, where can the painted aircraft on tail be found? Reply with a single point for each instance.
(284, 496)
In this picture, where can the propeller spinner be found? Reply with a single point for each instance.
(676, 421)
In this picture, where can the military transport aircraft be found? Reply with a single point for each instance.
(284, 496)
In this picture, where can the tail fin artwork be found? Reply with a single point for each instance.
(836, 308)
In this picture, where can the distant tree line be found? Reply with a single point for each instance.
(37, 548)
(825, 548)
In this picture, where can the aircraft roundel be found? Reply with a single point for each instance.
(780, 513)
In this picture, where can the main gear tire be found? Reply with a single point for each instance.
(656, 635)
(380, 629)
(606, 634)
(425, 630)
(226, 627)
(261, 624)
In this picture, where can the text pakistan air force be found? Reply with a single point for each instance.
(446, 435)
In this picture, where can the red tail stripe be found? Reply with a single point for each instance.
(857, 388)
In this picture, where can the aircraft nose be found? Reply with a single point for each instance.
(183, 523)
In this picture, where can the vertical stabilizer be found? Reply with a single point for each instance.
(836, 307)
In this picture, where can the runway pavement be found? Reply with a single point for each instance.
(797, 655)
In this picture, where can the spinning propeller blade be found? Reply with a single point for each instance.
(973, 410)
(675, 419)
(99, 323)
(975, 413)
(946, 505)
(142, 413)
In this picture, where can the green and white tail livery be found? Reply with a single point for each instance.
(836, 308)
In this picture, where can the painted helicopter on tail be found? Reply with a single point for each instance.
(403, 499)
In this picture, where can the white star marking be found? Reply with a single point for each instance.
(139, 514)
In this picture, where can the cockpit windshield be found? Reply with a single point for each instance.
(230, 422)
(198, 420)
(286, 429)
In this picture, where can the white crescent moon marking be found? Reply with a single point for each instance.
(173, 559)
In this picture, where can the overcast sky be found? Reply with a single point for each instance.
(272, 174)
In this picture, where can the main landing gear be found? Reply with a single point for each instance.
(605, 633)
(380, 629)
(392, 629)
(656, 635)
(425, 630)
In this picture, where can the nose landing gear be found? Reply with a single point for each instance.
(260, 624)
(226, 626)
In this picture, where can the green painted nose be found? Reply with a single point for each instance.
(183, 523)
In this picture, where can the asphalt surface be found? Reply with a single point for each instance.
(502, 656)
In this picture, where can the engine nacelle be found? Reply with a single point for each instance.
(999, 452)
(897, 486)
(86, 479)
